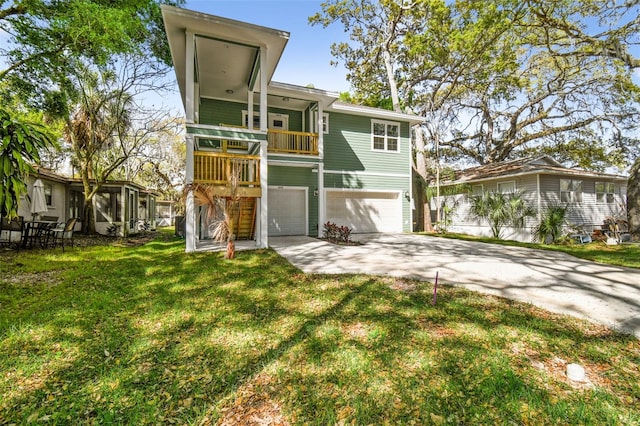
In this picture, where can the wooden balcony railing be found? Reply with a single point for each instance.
(215, 168)
(279, 141)
(285, 141)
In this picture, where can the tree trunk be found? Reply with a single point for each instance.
(428, 225)
(418, 197)
(88, 218)
(633, 198)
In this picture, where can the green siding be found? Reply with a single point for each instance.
(216, 112)
(299, 176)
(348, 147)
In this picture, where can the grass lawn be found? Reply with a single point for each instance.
(597, 251)
(151, 335)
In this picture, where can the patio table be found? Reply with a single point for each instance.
(36, 232)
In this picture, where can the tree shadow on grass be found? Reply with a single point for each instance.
(152, 336)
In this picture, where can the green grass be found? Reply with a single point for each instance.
(149, 335)
(597, 251)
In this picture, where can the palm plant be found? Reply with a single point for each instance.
(549, 229)
(220, 211)
(500, 210)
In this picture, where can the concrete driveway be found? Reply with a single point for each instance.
(609, 295)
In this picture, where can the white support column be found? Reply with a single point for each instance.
(321, 199)
(321, 195)
(190, 91)
(320, 132)
(249, 110)
(263, 239)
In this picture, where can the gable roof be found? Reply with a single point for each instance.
(524, 166)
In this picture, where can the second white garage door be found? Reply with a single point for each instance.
(287, 210)
(365, 211)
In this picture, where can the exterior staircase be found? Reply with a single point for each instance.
(246, 219)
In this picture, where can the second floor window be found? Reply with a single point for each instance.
(385, 136)
(570, 191)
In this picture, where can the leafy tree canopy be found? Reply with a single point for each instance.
(46, 38)
(497, 79)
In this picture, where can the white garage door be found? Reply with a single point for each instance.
(287, 211)
(365, 211)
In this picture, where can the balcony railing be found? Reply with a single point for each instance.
(226, 137)
(284, 141)
(215, 168)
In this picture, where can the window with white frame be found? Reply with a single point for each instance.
(256, 119)
(605, 192)
(570, 191)
(274, 120)
(48, 194)
(507, 187)
(385, 136)
(325, 122)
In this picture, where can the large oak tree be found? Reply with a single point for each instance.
(43, 41)
(496, 80)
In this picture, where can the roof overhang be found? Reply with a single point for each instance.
(542, 171)
(381, 114)
(291, 96)
(227, 52)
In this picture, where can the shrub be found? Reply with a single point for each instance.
(501, 210)
(549, 229)
(336, 234)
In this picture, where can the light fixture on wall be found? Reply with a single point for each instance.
(315, 192)
(407, 195)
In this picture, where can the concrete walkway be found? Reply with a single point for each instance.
(608, 295)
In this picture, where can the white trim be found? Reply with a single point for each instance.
(375, 112)
(263, 229)
(568, 175)
(270, 117)
(386, 136)
(285, 163)
(605, 193)
(317, 124)
(359, 173)
(321, 199)
(389, 191)
(539, 197)
(306, 201)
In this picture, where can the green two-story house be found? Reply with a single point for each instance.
(301, 157)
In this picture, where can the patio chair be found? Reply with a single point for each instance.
(62, 234)
(11, 231)
(37, 234)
